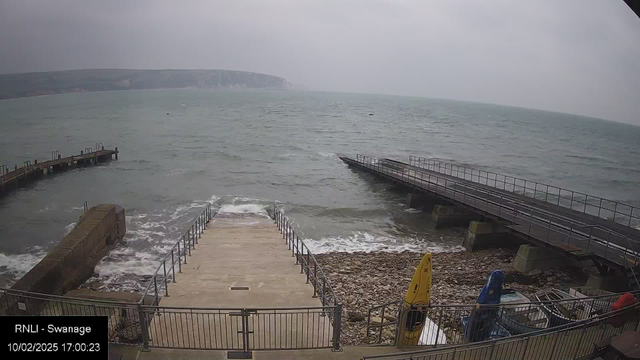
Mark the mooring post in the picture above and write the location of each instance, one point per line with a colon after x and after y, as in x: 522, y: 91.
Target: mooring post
x: 116, y: 153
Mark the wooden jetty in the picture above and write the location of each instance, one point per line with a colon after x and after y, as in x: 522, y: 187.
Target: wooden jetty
x: 29, y: 172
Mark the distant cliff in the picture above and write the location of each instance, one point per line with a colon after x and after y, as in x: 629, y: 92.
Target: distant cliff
x: 60, y: 82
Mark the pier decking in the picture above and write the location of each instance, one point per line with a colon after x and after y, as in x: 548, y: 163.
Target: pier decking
x: 579, y: 228
x: 20, y: 176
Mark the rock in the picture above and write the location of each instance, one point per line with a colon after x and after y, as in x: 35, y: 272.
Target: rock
x: 534, y: 272
x: 390, y: 318
x: 376, y: 320
x: 551, y: 279
x: 355, y: 317
x: 388, y: 333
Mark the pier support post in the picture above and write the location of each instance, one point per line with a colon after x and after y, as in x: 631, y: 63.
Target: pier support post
x: 531, y: 257
x: 416, y: 200
x: 609, y: 282
x: 484, y: 235
x: 452, y: 216
x: 116, y: 153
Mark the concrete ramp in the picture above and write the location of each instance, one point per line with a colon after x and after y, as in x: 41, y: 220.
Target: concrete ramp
x: 248, y: 289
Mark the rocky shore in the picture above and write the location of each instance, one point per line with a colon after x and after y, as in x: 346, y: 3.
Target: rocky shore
x: 363, y: 280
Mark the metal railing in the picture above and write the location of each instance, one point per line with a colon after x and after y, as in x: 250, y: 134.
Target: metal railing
x: 147, y: 324
x: 460, y: 323
x: 241, y: 329
x: 322, y: 287
x: 615, y: 211
x: 525, y: 220
x: 166, y: 273
x: 124, y: 319
x: 569, y: 341
x: 236, y: 329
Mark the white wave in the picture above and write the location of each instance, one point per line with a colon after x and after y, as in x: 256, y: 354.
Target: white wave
x: 326, y: 154
x: 365, y: 242
x: 243, y: 209
x: 48, y: 208
x: 19, y: 264
x: 412, y: 210
x: 138, y: 263
x: 75, y: 208
x: 68, y: 228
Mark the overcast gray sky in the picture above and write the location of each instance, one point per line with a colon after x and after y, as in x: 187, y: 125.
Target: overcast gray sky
x: 576, y: 56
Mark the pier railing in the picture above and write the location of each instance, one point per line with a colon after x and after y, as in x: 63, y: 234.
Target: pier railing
x: 309, y: 266
x: 177, y: 255
x: 459, y: 323
x: 567, y: 342
x: 525, y: 220
x: 611, y: 210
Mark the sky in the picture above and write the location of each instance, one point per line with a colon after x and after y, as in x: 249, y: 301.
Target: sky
x: 574, y: 56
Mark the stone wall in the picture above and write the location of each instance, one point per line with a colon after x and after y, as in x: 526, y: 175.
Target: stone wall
x: 71, y: 262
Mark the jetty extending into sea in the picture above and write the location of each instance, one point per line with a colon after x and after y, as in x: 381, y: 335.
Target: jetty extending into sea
x: 29, y: 172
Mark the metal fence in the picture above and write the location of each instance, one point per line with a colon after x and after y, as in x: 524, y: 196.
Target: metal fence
x: 147, y: 324
x: 241, y: 329
x: 309, y: 266
x: 166, y: 271
x: 525, y: 220
x: 569, y: 341
x: 235, y: 329
x: 457, y: 324
x: 124, y: 319
x: 615, y: 211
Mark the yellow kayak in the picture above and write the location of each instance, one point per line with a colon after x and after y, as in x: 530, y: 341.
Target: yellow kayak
x: 418, y: 294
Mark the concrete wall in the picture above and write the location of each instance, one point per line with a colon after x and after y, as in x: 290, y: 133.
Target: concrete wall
x: 531, y: 257
x: 71, y: 262
x: 452, y: 216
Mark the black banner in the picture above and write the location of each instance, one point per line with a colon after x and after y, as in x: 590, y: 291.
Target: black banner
x: 43, y: 337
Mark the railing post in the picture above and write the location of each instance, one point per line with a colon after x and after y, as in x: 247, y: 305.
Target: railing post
x: 144, y: 327
x: 155, y: 286
x: 297, y: 249
x: 166, y: 286
x: 315, y: 279
x: 308, y: 266
x: 302, y: 260
x: 179, y: 259
x: 190, y: 232
x: 337, y: 327
x: 184, y: 246
x: 173, y: 265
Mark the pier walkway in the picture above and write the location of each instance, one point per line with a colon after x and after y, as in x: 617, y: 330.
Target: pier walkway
x: 582, y: 225
x: 19, y: 176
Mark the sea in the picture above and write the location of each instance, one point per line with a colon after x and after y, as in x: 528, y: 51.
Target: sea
x: 245, y: 150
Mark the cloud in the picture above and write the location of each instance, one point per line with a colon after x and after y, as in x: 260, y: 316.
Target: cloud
x: 573, y: 56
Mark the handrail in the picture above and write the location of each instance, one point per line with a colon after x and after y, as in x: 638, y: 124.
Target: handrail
x: 449, y: 311
x: 297, y: 247
x: 491, y: 177
x: 189, y: 240
x: 578, y: 325
x: 515, y: 216
x: 327, y: 295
